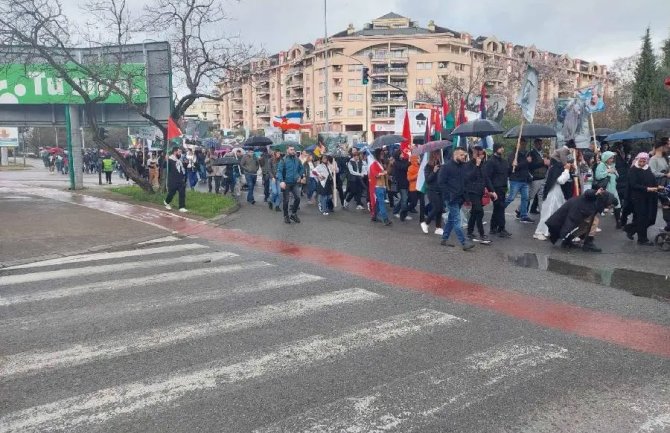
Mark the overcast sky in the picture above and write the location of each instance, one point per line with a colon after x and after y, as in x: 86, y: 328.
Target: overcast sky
x: 599, y: 30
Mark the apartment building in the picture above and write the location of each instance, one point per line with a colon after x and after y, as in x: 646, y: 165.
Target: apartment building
x: 206, y: 110
x: 404, y: 60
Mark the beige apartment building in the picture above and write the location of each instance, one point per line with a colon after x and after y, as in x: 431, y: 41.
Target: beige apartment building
x: 403, y: 58
x: 206, y: 110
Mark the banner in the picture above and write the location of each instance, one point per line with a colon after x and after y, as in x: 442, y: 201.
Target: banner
x: 572, y: 122
x: 417, y: 120
x: 9, y: 137
x: 41, y: 84
x: 592, y: 96
x: 529, y: 91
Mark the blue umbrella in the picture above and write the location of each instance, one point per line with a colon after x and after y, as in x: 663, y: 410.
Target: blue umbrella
x: 311, y: 148
x: 629, y: 135
x: 360, y: 145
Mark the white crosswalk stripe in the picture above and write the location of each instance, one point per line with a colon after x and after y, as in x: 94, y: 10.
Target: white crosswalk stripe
x: 160, y: 240
x: 135, y: 342
x: 76, y: 316
x: 92, y: 257
x: 413, y: 402
x: 96, y: 407
x: 128, y: 283
x: 103, y: 269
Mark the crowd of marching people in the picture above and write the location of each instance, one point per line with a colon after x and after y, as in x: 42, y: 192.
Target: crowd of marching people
x: 566, y: 194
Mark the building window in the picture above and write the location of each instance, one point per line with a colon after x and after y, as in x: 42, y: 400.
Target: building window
x: 321, y: 99
x: 423, y: 66
x: 359, y: 113
x: 424, y: 81
x: 355, y: 83
x: 459, y: 66
x: 321, y: 85
x: 351, y: 112
x: 355, y: 97
x: 320, y: 72
x: 320, y: 114
x: 455, y: 50
x: 355, y: 68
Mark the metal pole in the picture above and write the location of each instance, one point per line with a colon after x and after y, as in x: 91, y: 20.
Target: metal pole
x: 367, y: 109
x: 325, y: 43
x: 68, y: 135
x: 23, y: 134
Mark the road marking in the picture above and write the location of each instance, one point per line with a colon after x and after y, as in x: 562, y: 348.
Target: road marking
x: 127, y: 283
x: 100, y: 406
x: 160, y: 240
x: 142, y: 341
x: 77, y: 316
x: 109, y: 256
x: 103, y: 269
x: 412, y: 403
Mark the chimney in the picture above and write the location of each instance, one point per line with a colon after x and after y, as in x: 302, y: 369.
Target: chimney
x: 350, y: 29
x: 431, y: 26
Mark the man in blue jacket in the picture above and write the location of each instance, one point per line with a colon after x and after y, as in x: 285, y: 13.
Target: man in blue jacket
x: 291, y: 177
x: 451, y: 179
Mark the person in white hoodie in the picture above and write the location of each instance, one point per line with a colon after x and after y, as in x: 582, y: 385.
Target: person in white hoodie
x: 557, y: 189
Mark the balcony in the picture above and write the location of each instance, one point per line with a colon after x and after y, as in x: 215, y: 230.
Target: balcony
x: 238, y: 107
x: 237, y: 96
x: 295, y: 83
x: 397, y: 71
x: 380, y: 115
x: 295, y: 71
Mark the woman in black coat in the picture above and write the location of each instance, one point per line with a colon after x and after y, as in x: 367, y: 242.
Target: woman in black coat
x: 643, y: 195
x: 434, y: 194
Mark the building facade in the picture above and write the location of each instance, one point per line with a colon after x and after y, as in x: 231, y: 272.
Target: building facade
x: 404, y: 60
x: 206, y: 110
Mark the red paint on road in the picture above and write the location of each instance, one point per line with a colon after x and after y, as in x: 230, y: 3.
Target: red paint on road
x: 629, y: 333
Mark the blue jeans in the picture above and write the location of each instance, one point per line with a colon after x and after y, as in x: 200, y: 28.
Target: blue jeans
x: 401, y: 206
x: 311, y: 187
x: 323, y: 200
x: 516, y: 187
x: 380, y: 207
x: 275, y: 193
x: 251, y: 184
x: 453, y: 221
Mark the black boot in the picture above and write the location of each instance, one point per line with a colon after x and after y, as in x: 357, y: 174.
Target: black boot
x: 567, y: 242
x: 590, y: 246
x: 617, y: 216
x: 666, y: 218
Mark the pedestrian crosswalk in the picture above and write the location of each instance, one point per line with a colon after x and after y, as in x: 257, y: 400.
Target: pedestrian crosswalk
x: 189, y: 300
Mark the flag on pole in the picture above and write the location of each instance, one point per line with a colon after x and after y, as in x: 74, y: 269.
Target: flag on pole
x: 592, y: 96
x: 436, y: 119
x: 291, y: 120
x: 405, y: 146
x: 421, y: 178
x: 460, y: 118
x: 173, y: 130
x: 487, y: 142
x: 527, y: 99
x: 445, y: 105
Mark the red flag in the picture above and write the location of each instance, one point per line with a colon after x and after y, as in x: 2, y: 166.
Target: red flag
x: 173, y: 130
x: 445, y: 105
x: 405, y: 146
x: 436, y: 119
x: 428, y: 134
x: 462, y: 118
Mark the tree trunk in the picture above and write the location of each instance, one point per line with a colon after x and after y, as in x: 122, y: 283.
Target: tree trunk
x: 131, y: 172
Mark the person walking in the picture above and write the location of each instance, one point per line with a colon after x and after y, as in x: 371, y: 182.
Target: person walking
x: 108, y: 168
x: 325, y: 184
x: 176, y: 180
x: 658, y: 164
x: 557, y: 189
x: 643, y: 189
x: 606, y: 177
x: 379, y: 176
x: 356, y: 169
x: 275, y: 190
x: 152, y: 166
x: 191, y: 169
x: 249, y: 166
x: 497, y: 170
x: 291, y: 177
x: 431, y: 171
x: 519, y: 176
x: 400, y: 167
x: 477, y: 185
x: 451, y: 179
x: 412, y: 177
x: 538, y: 168
x: 264, y: 163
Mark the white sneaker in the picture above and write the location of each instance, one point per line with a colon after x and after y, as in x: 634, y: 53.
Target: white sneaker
x: 359, y: 207
x: 539, y: 237
x: 183, y: 210
x: 439, y: 232
x: 167, y: 206
x: 397, y: 215
x: 408, y: 218
x: 598, y: 229
x: 325, y: 214
x: 386, y: 200
x: 424, y: 227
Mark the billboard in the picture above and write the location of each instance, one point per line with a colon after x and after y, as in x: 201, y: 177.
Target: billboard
x: 9, y: 137
x: 417, y: 120
x: 572, y: 122
x: 40, y: 84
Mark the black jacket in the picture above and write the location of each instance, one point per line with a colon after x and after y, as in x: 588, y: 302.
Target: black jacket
x: 451, y: 179
x: 175, y: 178
x: 497, y: 170
x: 537, y: 168
x: 575, y: 211
x: 476, y: 179
x: 400, y: 167
x: 521, y: 173
x: 431, y: 178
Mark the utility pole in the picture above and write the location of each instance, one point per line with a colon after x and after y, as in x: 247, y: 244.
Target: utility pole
x: 325, y: 59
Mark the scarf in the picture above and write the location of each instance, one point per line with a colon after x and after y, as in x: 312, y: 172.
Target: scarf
x: 641, y: 155
x: 178, y: 164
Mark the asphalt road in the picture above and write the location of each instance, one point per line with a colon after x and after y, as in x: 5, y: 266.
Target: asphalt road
x: 198, y: 334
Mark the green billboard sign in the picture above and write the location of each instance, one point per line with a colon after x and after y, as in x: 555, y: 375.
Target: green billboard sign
x: 40, y: 84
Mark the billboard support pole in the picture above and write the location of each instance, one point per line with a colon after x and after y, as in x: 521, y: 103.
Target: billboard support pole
x: 73, y: 131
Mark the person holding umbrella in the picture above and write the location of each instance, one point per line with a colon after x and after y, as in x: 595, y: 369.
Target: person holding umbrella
x: 291, y: 177
x: 176, y: 180
x: 477, y: 184
x: 519, y: 177
x: 250, y: 165
x: 497, y: 170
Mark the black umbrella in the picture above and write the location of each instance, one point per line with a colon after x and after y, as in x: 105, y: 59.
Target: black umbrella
x: 653, y: 126
x: 226, y: 160
x: 387, y: 140
x: 256, y: 141
x: 532, y: 130
x: 604, y: 132
x: 431, y: 146
x: 478, y: 128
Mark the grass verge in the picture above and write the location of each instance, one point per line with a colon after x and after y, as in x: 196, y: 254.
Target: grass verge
x: 198, y: 203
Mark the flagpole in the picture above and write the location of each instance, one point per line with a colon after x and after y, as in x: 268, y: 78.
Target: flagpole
x: 593, y: 129
x: 518, y: 145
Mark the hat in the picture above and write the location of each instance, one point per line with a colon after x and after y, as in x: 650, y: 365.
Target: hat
x: 660, y: 143
x: 497, y: 146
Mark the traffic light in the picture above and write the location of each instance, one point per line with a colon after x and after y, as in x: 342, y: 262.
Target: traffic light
x: 366, y: 76
x: 103, y: 134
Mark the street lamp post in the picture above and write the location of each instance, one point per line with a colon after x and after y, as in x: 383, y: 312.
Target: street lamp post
x: 367, y: 97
